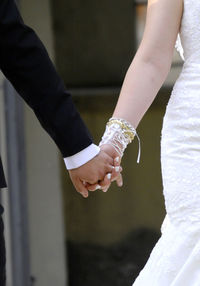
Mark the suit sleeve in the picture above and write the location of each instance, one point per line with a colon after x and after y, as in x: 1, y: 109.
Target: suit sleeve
x: 25, y: 62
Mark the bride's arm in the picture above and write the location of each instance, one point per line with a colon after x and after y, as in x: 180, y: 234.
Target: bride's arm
x: 146, y: 73
x: 152, y: 61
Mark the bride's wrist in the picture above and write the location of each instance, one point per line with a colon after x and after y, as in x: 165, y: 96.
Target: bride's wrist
x: 119, y: 133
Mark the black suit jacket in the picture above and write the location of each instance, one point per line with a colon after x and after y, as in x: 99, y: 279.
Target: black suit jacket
x: 25, y: 62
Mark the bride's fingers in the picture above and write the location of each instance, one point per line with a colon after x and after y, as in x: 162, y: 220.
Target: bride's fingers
x: 117, y: 161
x: 119, y: 180
x: 110, y: 177
x: 117, y: 168
x: 105, y: 183
x: 115, y: 173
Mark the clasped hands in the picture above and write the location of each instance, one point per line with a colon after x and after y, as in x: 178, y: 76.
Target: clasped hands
x: 98, y: 173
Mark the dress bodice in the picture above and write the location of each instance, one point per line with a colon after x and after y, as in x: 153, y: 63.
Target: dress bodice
x: 190, y: 31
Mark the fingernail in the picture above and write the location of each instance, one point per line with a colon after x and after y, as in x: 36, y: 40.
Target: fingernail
x: 105, y: 190
x: 117, y: 159
x: 85, y: 195
x: 109, y: 176
x: 97, y: 187
x: 117, y: 169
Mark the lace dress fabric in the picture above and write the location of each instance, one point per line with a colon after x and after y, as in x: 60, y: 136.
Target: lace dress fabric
x: 175, y: 259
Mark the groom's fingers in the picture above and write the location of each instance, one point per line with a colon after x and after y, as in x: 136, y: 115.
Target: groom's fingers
x: 104, y: 175
x: 117, y: 161
x: 93, y: 187
x: 102, y: 185
x: 80, y: 187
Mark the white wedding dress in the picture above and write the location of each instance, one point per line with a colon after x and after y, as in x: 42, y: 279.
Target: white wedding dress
x: 175, y: 259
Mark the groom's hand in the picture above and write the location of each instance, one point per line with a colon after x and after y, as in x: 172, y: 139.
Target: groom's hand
x: 93, y: 171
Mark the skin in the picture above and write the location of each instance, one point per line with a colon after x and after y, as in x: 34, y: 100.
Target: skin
x: 94, y: 173
x: 116, y: 171
x: 152, y: 61
x: 145, y: 76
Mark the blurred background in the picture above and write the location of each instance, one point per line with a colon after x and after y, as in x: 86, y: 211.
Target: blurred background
x: 53, y: 235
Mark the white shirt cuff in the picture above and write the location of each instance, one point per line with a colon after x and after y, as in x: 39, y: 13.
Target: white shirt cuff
x: 81, y: 157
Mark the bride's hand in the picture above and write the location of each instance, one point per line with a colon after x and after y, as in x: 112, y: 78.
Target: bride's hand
x: 110, y: 177
x: 116, y: 174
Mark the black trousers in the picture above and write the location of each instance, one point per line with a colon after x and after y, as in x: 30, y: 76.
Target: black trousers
x: 2, y: 251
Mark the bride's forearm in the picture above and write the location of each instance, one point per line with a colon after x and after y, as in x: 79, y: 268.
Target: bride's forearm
x: 141, y: 85
x: 146, y: 74
x: 143, y: 80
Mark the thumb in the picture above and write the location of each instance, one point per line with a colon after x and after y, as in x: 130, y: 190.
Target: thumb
x: 81, y: 188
